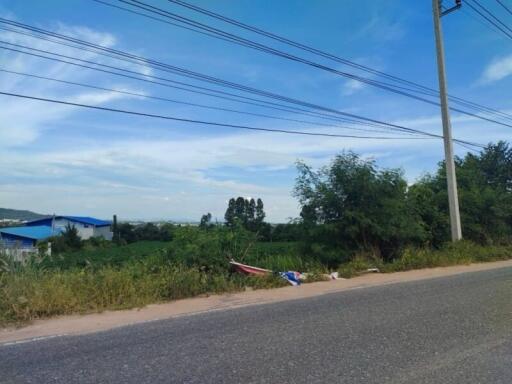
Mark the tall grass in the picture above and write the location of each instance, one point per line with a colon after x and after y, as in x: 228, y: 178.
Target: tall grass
x: 127, y: 279
x: 34, y: 293
x: 463, y: 252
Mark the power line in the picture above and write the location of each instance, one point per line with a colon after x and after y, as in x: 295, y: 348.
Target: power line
x: 202, y: 122
x: 217, y: 81
x: 401, y: 128
x: 141, y: 95
x: 146, y: 62
x: 504, y: 6
x: 145, y: 78
x: 306, y: 48
x: 504, y: 31
x: 202, y: 77
x: 251, y: 44
x: 482, y: 22
x: 486, y: 10
x: 390, y: 125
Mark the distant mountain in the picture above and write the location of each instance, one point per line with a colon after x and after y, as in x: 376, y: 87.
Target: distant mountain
x: 19, y: 214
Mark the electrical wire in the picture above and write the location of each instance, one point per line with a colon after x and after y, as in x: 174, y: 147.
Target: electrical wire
x: 504, y: 6
x: 390, y: 125
x: 202, y: 122
x: 248, y: 43
x: 323, y: 53
x: 209, y: 107
x: 486, y: 10
x: 202, y: 77
x: 505, y: 32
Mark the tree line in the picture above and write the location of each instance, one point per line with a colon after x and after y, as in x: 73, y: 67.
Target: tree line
x: 353, y: 206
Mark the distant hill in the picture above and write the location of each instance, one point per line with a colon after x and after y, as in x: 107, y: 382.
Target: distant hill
x: 19, y: 214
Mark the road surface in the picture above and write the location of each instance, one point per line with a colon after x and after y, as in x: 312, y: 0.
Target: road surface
x: 454, y: 329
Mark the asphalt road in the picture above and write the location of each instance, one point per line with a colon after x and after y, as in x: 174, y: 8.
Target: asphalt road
x: 447, y: 330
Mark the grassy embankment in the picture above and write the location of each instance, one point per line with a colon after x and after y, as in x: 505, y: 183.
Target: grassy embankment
x: 150, y: 272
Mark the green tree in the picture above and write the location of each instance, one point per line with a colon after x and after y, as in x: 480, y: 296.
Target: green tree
x: 240, y: 210
x: 260, y: 213
x: 229, y: 216
x: 246, y: 212
x: 206, y: 221
x: 352, y: 206
x: 71, y: 238
x: 485, y: 197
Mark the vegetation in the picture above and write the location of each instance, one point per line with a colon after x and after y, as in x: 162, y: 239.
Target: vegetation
x: 246, y: 212
x: 127, y: 233
x: 352, y: 207
x: 354, y: 216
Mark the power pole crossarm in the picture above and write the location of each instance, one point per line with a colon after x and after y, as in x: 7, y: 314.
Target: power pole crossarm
x: 453, y: 198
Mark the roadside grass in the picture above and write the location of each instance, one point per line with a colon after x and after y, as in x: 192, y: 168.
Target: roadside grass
x: 40, y: 290
x: 463, y: 252
x: 34, y: 293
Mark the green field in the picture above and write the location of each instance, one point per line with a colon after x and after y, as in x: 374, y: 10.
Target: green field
x: 111, y: 255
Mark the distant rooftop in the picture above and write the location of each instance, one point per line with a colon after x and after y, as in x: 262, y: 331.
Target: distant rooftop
x: 37, y: 232
x: 79, y: 219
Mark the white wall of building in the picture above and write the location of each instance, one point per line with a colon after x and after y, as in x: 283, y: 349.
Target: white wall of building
x: 85, y: 231
x: 104, y: 232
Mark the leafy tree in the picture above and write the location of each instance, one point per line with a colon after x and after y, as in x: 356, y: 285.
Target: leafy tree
x: 485, y: 197
x: 149, y: 231
x: 241, y: 210
x: 206, y: 221
x: 352, y: 206
x: 126, y: 232
x: 247, y: 212
x: 260, y: 213
x: 250, y: 214
x: 229, y: 216
x: 71, y: 237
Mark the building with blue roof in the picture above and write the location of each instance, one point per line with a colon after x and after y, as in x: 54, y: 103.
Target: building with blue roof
x: 20, y: 242
x: 86, y: 226
x: 26, y: 237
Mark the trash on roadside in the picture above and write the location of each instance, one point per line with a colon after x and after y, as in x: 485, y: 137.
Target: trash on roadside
x: 293, y: 277
x: 249, y: 270
x: 369, y: 270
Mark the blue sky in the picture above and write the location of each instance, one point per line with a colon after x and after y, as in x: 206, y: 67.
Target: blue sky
x: 84, y: 162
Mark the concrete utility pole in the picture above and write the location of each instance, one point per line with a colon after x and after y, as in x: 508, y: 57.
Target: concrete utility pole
x: 453, y: 199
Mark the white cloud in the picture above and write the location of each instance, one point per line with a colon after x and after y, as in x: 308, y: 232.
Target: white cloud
x: 352, y: 86
x: 497, y: 70
x: 23, y: 121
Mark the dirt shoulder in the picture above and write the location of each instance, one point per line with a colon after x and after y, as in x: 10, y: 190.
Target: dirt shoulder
x: 81, y: 324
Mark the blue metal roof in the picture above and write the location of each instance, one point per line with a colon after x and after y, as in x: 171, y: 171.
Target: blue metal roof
x: 39, y: 232
x: 78, y: 219
x: 87, y: 220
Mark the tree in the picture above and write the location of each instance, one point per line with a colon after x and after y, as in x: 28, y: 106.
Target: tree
x: 206, y: 221
x: 352, y: 206
x: 240, y: 210
x: 485, y: 196
x: 248, y: 213
x: 260, y: 213
x: 126, y: 232
x: 229, y: 216
x: 71, y: 238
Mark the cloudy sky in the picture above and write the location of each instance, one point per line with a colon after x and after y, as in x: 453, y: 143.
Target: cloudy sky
x: 69, y: 160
